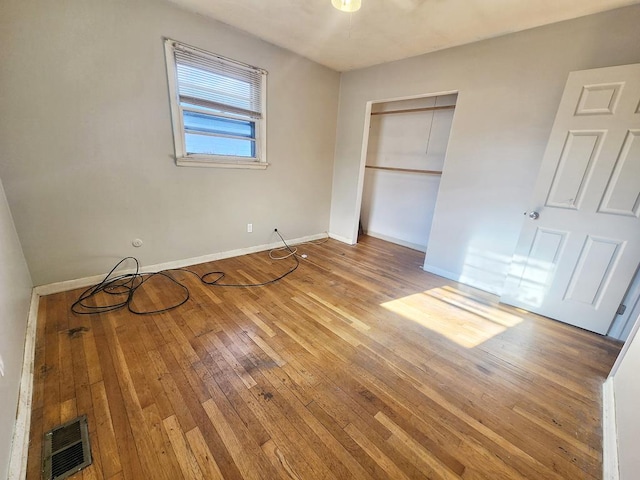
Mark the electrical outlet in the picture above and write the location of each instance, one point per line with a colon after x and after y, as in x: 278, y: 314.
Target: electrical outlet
x: 249, y: 227
x: 136, y: 242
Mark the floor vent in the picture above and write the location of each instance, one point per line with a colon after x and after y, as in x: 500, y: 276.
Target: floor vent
x: 66, y: 449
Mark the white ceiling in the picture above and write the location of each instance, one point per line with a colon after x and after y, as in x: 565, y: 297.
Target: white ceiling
x: 386, y: 30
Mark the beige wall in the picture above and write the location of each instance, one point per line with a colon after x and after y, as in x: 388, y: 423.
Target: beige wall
x: 15, y: 292
x: 509, y: 90
x: 87, y: 142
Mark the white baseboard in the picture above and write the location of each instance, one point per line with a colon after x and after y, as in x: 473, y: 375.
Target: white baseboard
x: 342, y: 239
x: 610, y: 469
x: 397, y: 241
x: 58, y: 287
x: 456, y: 277
x: 442, y: 273
x: 20, y: 442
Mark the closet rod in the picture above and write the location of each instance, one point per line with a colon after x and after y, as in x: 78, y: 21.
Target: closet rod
x: 410, y: 170
x: 423, y: 109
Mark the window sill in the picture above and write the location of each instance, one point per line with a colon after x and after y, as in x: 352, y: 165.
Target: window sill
x: 229, y: 163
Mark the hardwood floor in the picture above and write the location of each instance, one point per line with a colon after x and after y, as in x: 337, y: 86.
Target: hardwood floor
x: 359, y: 365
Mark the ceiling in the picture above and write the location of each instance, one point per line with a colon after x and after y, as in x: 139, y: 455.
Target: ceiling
x: 387, y: 30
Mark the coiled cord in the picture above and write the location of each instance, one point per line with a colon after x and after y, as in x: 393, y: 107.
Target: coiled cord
x: 128, y: 284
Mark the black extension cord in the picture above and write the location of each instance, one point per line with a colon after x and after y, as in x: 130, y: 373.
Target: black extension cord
x: 127, y: 284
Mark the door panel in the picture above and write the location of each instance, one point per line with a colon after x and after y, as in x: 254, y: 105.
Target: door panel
x: 537, y: 270
x: 595, y: 265
x: 575, y: 260
x: 599, y: 99
x: 621, y: 197
x: 579, y: 154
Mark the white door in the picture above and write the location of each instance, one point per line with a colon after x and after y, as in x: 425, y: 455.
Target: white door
x: 575, y: 261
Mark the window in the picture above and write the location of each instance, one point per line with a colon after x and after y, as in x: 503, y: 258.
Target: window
x: 217, y: 109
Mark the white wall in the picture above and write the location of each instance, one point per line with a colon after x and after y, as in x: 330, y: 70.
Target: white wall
x: 626, y: 387
x: 398, y: 206
x: 509, y: 90
x: 87, y: 142
x: 15, y: 294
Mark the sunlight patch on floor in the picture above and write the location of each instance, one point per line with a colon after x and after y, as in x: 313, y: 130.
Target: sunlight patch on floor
x: 458, y: 316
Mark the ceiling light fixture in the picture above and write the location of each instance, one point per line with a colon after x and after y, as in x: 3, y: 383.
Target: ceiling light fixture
x: 347, y: 5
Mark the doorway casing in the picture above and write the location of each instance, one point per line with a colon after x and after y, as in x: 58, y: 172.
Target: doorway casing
x: 365, y: 144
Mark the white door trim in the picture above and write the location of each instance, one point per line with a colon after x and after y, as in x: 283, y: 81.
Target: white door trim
x: 20, y: 442
x: 610, y: 469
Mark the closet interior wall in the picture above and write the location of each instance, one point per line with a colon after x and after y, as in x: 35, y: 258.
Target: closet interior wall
x: 405, y: 157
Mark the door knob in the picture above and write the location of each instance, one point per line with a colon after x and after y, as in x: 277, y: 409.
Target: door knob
x: 532, y: 215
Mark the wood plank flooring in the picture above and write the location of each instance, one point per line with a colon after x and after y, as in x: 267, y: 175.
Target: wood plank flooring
x: 359, y: 365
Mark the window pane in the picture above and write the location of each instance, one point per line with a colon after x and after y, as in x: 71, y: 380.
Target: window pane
x: 217, y: 106
x: 208, y: 145
x: 201, y: 122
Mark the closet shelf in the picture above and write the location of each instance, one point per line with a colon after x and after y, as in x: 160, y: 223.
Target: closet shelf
x: 423, y: 109
x: 409, y: 170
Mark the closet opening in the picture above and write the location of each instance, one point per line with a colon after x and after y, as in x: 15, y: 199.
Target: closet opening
x: 405, y: 157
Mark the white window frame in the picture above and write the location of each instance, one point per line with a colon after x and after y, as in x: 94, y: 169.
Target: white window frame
x: 259, y: 161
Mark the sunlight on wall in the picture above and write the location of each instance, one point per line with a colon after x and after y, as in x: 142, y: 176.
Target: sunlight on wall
x: 523, y: 279
x: 484, y: 269
x: 462, y: 318
x: 529, y: 280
